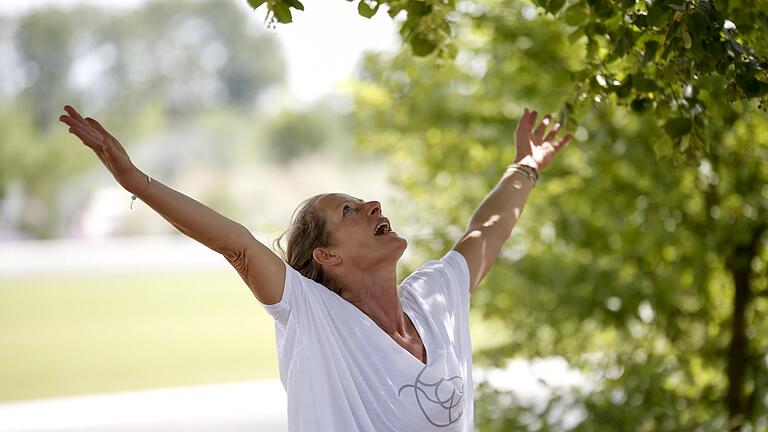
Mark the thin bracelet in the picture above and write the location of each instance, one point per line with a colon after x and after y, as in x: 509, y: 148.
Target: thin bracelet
x: 530, y: 172
x: 513, y: 170
x: 133, y: 198
x: 533, y: 172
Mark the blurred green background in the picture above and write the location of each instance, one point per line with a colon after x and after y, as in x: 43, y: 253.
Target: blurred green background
x: 73, y: 335
x: 639, y: 261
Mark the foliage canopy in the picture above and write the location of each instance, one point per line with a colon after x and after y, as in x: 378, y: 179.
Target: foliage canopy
x: 677, y: 58
x: 643, y: 259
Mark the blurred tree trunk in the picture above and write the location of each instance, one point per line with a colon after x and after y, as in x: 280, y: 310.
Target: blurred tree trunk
x: 738, y: 264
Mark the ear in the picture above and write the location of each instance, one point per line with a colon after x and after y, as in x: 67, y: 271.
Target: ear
x: 324, y: 257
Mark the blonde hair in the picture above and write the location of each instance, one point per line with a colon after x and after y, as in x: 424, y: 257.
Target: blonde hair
x: 305, y: 233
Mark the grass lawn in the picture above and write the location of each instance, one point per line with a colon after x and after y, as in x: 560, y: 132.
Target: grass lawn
x: 91, y: 334
x: 74, y: 335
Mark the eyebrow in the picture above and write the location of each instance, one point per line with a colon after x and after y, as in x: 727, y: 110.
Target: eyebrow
x: 347, y: 200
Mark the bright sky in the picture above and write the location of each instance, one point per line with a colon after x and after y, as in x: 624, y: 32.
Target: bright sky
x: 322, y: 45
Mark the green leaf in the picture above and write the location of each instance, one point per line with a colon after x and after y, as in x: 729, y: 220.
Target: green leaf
x: 418, y: 8
x: 656, y: 14
x: 575, y: 14
x: 678, y: 5
x: 601, y: 8
x: 565, y: 115
x: 393, y: 9
x: 640, y: 104
x: 366, y: 10
x: 553, y: 6
x: 626, y: 4
x: 624, y: 41
x: 662, y: 147
x: 677, y: 127
x: 640, y: 21
x: 751, y: 86
x: 255, y: 3
x: 624, y: 89
x: 645, y: 84
x: 698, y: 22
x: 422, y: 46
x: 651, y: 48
x: 407, y: 28
x: 296, y: 4
x: 283, y: 13
x: 576, y: 34
x: 595, y: 28
x: 686, y: 39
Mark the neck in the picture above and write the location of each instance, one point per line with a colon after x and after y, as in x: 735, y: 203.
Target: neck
x: 375, y: 293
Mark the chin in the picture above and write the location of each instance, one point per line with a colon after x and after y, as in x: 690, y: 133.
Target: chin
x: 404, y: 246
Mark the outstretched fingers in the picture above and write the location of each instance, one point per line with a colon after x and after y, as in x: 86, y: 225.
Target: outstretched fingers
x: 73, y: 113
x: 531, y: 120
x: 552, y: 133
x: 525, y: 124
x: 86, y: 130
x: 83, y: 129
x: 538, y: 134
x: 563, y: 141
x: 87, y: 137
x: 96, y: 125
x: 108, y: 138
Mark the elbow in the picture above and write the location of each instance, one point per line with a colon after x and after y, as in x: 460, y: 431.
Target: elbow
x: 234, y: 243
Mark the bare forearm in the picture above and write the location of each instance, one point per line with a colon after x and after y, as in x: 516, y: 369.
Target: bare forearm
x: 495, y: 217
x: 492, y: 224
x: 503, y: 206
x: 189, y: 216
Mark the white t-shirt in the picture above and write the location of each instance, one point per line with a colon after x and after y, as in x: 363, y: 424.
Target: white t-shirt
x: 343, y: 373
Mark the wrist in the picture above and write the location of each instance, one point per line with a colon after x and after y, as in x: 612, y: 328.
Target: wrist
x: 529, y: 161
x: 527, y: 170
x: 135, y: 181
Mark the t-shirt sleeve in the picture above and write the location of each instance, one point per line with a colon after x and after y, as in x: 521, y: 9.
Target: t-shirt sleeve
x: 293, y: 295
x: 444, y: 282
x: 456, y: 270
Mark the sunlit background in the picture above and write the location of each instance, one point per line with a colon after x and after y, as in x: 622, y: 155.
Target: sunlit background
x: 611, y: 307
x: 109, y: 318
x: 97, y: 298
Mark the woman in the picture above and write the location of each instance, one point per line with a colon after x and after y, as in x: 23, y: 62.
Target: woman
x: 357, y: 350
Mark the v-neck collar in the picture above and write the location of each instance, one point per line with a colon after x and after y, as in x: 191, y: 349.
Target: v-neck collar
x: 396, y: 346
x: 420, y: 330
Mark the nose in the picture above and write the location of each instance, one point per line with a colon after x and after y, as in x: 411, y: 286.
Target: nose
x: 375, y: 207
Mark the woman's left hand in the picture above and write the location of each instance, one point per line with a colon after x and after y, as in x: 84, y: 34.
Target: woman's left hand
x: 533, y: 147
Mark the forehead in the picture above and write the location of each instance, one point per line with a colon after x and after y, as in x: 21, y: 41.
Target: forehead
x: 333, y: 200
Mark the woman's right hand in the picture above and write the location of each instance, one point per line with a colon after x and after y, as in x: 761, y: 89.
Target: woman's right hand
x: 107, y: 148
x: 260, y: 268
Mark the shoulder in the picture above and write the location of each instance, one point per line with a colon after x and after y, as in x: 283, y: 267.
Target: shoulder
x: 448, y: 265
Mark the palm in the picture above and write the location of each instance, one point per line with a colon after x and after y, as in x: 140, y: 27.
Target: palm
x: 533, y: 145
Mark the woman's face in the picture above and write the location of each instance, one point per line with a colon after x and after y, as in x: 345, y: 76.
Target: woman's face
x: 351, y: 224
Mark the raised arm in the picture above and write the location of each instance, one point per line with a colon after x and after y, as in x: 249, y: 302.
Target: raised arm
x: 260, y: 268
x: 492, y: 222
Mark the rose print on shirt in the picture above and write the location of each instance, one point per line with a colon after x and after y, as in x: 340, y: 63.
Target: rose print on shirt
x: 440, y: 393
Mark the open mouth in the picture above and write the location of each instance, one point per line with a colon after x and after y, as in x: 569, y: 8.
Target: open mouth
x: 382, y: 228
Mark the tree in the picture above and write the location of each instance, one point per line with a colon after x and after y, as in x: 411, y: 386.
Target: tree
x: 657, y: 217
x: 648, y: 261
x: 165, y: 61
x: 667, y: 56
